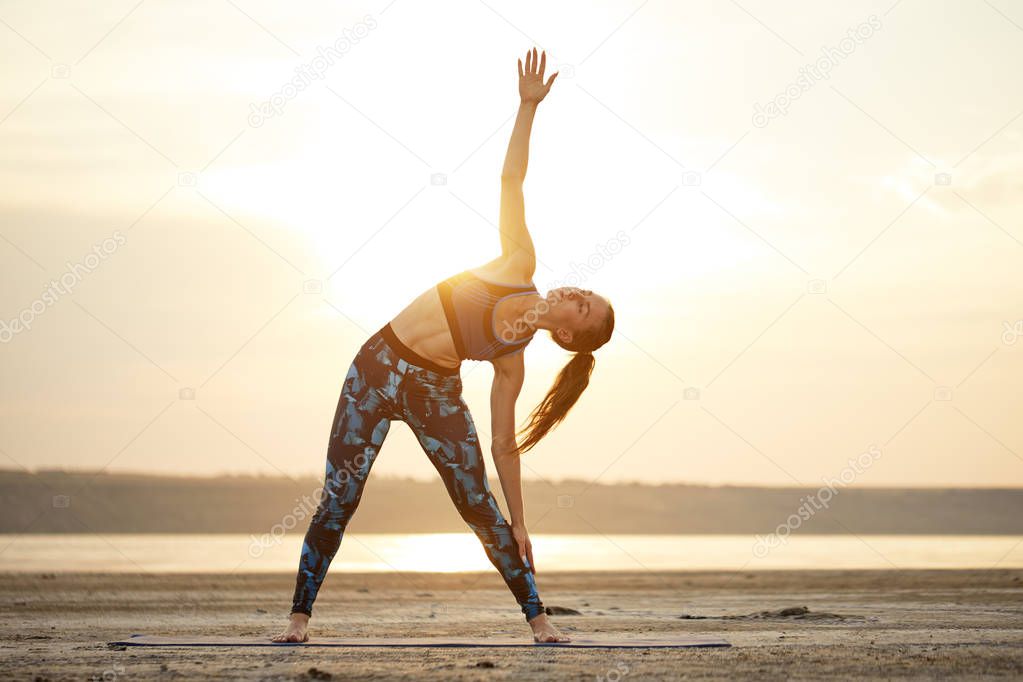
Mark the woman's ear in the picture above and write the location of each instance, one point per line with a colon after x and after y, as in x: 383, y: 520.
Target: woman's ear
x: 564, y: 335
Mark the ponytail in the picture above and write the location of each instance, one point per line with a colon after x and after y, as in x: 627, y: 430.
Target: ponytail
x: 570, y: 384
x: 572, y: 380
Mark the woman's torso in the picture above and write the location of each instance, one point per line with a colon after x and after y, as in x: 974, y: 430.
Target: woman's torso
x: 423, y: 326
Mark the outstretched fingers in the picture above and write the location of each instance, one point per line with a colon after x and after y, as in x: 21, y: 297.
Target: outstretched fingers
x: 532, y: 71
x: 533, y: 62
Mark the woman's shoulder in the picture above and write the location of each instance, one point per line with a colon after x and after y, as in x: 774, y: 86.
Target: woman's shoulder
x: 508, y: 271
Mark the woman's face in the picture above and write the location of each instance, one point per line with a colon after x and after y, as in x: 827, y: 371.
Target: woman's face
x: 577, y: 310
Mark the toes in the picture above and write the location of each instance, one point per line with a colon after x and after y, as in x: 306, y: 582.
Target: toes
x: 548, y: 637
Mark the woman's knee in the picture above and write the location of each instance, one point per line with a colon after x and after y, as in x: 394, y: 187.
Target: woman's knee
x: 339, y: 499
x: 330, y: 514
x: 481, y: 512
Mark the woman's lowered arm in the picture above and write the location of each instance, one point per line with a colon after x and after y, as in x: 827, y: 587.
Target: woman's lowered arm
x: 509, y: 373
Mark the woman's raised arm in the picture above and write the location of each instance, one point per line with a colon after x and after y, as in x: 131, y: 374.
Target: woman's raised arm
x: 515, y: 239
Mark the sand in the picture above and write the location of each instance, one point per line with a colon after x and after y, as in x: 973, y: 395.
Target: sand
x: 783, y: 625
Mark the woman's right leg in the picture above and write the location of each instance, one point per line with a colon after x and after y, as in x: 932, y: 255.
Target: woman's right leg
x: 434, y: 410
x: 361, y: 421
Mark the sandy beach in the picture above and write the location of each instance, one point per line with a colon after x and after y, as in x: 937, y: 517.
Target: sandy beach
x: 782, y: 625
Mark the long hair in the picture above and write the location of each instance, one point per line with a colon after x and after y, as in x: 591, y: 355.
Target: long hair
x: 570, y: 383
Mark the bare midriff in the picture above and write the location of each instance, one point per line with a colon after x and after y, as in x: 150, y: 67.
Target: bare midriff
x: 423, y: 327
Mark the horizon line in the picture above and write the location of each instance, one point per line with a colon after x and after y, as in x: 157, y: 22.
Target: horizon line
x: 525, y: 479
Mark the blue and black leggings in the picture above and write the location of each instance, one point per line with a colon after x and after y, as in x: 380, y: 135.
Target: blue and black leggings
x: 388, y: 381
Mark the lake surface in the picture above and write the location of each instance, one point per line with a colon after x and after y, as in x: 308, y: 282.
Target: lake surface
x: 449, y: 552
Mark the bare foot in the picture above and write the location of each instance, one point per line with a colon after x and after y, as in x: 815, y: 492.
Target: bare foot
x: 544, y: 631
x: 296, y: 630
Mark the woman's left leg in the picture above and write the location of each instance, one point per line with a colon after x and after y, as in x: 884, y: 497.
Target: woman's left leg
x: 433, y: 408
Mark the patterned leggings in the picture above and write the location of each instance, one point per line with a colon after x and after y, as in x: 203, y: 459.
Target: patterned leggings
x: 382, y: 385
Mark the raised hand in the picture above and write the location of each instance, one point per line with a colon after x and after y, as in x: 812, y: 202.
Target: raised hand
x: 531, y: 86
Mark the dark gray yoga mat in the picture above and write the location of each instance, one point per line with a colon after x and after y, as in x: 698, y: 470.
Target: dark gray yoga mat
x: 665, y: 641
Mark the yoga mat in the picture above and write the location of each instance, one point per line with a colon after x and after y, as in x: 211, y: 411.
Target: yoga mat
x: 664, y: 641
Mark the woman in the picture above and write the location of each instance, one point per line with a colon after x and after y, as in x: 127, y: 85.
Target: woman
x: 409, y: 370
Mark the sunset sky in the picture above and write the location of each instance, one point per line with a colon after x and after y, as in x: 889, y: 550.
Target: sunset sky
x: 844, y: 275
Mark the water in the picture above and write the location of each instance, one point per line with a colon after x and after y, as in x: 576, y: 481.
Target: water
x: 450, y: 552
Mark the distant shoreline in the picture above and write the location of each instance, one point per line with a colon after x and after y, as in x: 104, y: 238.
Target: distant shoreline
x: 58, y: 502
x: 317, y: 478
